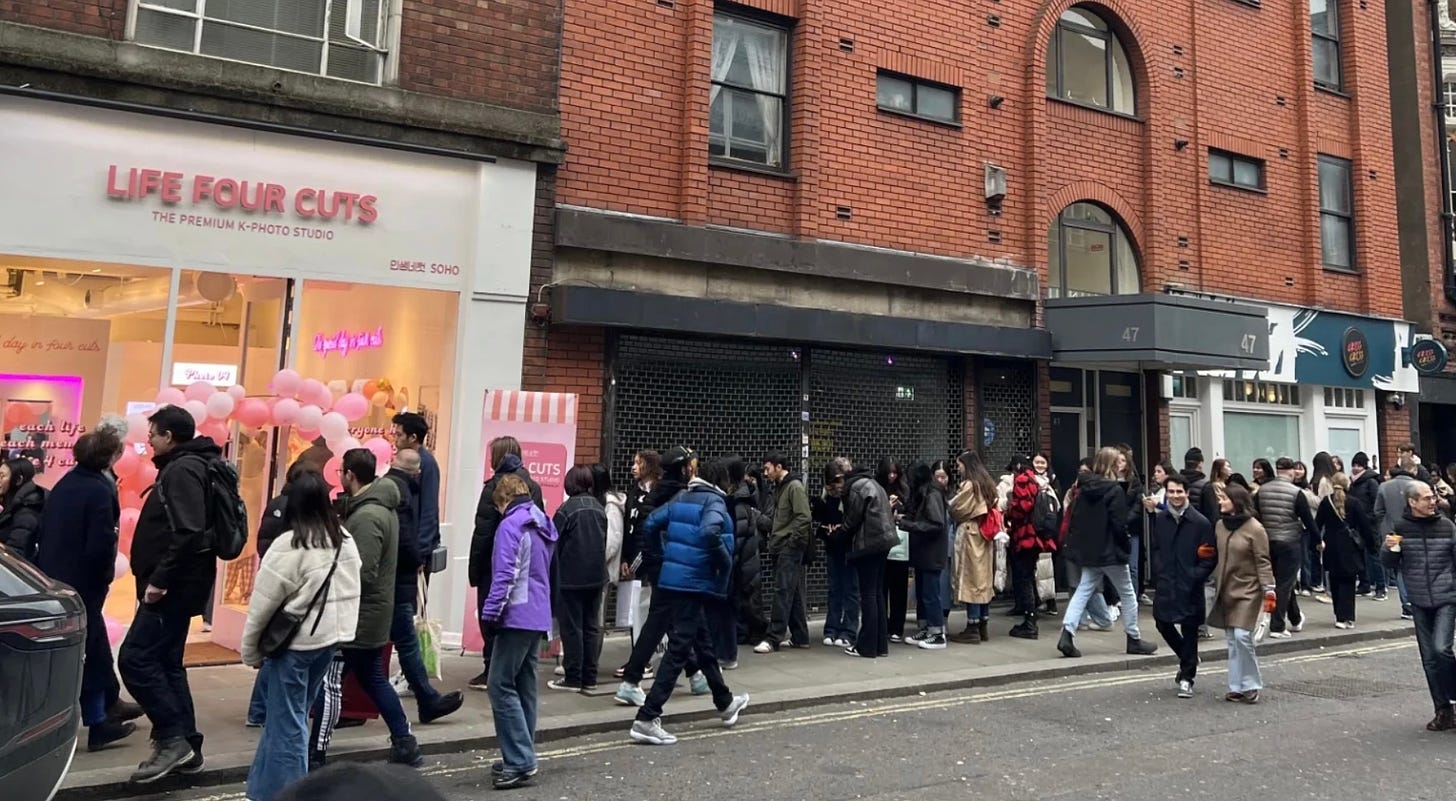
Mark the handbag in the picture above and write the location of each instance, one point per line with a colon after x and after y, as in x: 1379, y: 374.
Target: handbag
x: 283, y: 627
x: 428, y: 633
x: 901, y: 551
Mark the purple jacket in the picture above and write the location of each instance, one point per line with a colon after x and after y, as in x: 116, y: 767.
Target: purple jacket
x: 520, y: 583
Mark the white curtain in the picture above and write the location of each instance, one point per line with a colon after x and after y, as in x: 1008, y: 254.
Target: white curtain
x: 766, y: 68
x: 725, y: 46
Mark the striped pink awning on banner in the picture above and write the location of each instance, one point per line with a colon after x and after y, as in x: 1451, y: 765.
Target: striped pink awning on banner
x: 520, y: 406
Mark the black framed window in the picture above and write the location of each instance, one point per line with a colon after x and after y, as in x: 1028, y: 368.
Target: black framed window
x: 1087, y: 64
x: 1090, y: 253
x: 1448, y: 96
x: 749, y: 100
x: 1231, y: 169
x: 1324, y: 24
x: 1337, y: 213
x: 903, y: 94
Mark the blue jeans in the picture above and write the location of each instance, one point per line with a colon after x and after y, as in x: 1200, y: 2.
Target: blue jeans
x: 842, y: 621
x: 514, y: 653
x: 292, y: 682
x: 1091, y: 584
x: 367, y: 666
x: 1375, y: 572
x: 258, y: 703
x: 1434, y: 628
x: 927, y: 595
x: 1400, y: 587
x: 1097, y: 610
x: 1243, y: 667
x: 975, y: 613
x: 407, y: 647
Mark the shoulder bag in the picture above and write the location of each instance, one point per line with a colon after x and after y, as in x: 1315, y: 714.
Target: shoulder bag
x: 284, y: 626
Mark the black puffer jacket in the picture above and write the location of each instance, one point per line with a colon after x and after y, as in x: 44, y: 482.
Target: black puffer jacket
x: 407, y: 567
x: 579, y: 561
x: 488, y: 518
x: 170, y: 550
x: 747, y: 559
x: 1427, y: 559
x: 927, y: 526
x: 20, y: 522
x: 274, y: 522
x: 1097, y: 534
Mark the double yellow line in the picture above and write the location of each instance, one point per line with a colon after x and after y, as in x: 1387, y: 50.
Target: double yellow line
x: 903, y: 707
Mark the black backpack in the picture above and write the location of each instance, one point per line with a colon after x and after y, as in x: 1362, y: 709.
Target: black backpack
x: 1046, y: 515
x: 227, y: 515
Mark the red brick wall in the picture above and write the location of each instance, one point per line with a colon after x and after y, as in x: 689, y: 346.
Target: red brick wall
x: 634, y: 104
x: 573, y: 360
x: 106, y: 18
x: 1393, y: 426
x: 494, y: 52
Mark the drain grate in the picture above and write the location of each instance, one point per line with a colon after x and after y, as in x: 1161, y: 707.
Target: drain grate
x: 1342, y: 688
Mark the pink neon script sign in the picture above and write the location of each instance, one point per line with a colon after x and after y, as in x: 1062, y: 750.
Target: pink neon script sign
x: 344, y: 342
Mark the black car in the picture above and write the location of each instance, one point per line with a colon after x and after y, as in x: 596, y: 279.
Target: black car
x: 42, y: 645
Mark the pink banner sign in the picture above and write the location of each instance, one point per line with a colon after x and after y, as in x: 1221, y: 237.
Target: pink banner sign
x: 545, y: 425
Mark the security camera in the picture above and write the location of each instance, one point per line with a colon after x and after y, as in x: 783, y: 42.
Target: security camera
x: 1397, y: 400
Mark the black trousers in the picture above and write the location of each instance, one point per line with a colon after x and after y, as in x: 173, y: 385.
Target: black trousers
x: 485, y: 632
x: 1288, y: 559
x: 1342, y: 593
x: 895, y: 586
x: 1023, y: 580
x: 581, y: 637
x: 654, y: 628
x: 874, y: 632
x: 1182, y: 639
x: 100, y: 689
x: 687, y: 638
x: 151, y: 665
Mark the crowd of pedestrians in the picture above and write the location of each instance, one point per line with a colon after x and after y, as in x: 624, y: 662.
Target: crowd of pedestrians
x: 341, y: 580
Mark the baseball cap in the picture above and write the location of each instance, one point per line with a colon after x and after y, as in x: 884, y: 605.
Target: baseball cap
x: 677, y: 456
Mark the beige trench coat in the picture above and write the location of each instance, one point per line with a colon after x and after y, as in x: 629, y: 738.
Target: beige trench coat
x: 1243, y: 571
x: 975, y: 558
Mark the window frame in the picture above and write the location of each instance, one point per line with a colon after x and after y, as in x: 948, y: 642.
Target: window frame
x: 1235, y: 158
x: 1111, y: 39
x: 786, y: 28
x: 1332, y: 13
x: 916, y: 84
x: 1112, y: 229
x: 1448, y: 94
x: 1349, y: 217
x: 386, y: 48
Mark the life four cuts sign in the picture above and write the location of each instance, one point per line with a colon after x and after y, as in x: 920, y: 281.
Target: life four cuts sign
x: 545, y: 425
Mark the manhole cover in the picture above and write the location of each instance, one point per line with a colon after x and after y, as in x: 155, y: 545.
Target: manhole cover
x: 1341, y: 688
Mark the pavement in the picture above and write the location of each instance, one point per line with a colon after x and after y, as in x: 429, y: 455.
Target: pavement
x: 779, y: 683
x: 1332, y: 723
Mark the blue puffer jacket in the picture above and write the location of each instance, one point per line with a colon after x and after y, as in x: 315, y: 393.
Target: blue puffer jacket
x: 697, y: 541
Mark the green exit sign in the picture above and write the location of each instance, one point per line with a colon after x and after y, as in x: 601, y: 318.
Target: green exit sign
x: 905, y: 393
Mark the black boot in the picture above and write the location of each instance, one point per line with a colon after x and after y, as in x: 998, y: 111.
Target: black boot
x: 985, y: 629
x: 1136, y: 647
x: 122, y: 711
x: 405, y: 751
x: 442, y: 706
x: 167, y: 756
x: 1026, y: 630
x: 107, y: 732
x: 1068, y: 646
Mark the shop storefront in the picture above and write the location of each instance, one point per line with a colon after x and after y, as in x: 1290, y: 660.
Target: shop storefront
x: 147, y: 258
x: 1327, y: 375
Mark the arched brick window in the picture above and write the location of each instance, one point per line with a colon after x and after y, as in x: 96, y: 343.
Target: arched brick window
x: 1087, y: 64
x: 1090, y: 253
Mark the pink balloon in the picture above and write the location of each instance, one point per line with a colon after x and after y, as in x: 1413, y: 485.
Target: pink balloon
x: 220, y: 405
x: 216, y: 430
x: 334, y: 426
x: 122, y: 565
x: 285, y: 412
x: 237, y: 391
x: 383, y: 452
x: 311, y: 390
x: 310, y: 418
x: 197, y: 409
x: 352, y: 406
x: 331, y: 471
x: 145, y: 475
x: 127, y: 528
x: 115, y: 631
x: 131, y: 499
x: 286, y: 383
x: 253, y: 412
x: 345, y: 445
x: 171, y: 396
x: 127, y: 465
x: 200, y: 391
x: 306, y: 435
x: 137, y: 428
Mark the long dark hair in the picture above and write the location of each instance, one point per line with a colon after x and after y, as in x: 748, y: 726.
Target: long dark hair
x: 315, y: 524
x: 1241, y: 499
x: 1324, y: 470
x: 895, y: 486
x: 973, y: 469
x: 1265, y: 469
x: 22, y: 472
x: 1301, y: 481
x: 601, y: 482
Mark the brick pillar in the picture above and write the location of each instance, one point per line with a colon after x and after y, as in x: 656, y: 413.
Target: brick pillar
x: 1393, y: 426
x: 575, y: 361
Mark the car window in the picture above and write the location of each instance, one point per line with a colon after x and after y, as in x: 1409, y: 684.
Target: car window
x: 16, y: 579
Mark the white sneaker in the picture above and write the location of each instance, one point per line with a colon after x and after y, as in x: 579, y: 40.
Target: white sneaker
x: 829, y: 641
x: 729, y: 716
x: 1340, y: 624
x: 1090, y: 626
x: 560, y: 670
x: 1115, y: 612
x: 1185, y: 689
x: 843, y: 643
x: 764, y: 647
x: 1280, y: 635
x: 400, y: 685
x: 651, y: 732
x: 698, y: 684
x: 1297, y: 627
x: 630, y: 695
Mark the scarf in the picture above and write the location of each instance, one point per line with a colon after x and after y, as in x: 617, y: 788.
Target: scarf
x: 1234, y: 522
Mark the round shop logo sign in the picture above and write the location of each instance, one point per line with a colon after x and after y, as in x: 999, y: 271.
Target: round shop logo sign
x: 1355, y: 353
